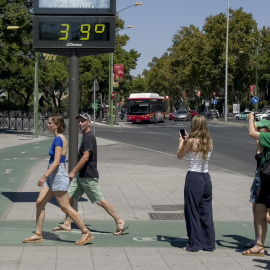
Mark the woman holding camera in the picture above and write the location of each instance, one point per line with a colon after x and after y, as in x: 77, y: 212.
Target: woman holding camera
x: 198, y: 146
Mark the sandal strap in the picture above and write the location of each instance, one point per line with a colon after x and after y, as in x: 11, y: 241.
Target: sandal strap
x: 259, y: 245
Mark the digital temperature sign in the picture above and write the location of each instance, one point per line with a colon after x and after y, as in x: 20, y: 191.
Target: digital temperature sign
x: 59, y: 34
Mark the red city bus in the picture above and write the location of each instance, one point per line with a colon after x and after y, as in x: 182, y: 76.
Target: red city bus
x: 146, y: 107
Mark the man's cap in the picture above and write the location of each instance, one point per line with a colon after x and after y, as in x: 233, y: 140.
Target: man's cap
x: 263, y: 123
x: 84, y: 116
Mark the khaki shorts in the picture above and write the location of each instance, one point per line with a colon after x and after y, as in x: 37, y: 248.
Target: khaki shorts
x: 89, y: 186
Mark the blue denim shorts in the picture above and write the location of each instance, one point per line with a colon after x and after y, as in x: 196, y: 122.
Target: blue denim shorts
x: 58, y: 180
x: 254, y: 188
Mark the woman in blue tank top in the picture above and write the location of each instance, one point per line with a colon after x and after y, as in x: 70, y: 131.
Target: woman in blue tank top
x: 55, y: 182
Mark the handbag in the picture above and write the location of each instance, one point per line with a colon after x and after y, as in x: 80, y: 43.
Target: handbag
x: 265, y: 167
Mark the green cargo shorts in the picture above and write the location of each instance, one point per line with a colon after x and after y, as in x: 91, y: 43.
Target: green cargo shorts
x: 89, y: 186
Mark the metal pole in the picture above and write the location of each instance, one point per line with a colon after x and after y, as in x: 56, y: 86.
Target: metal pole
x: 256, y: 82
x: 94, y: 89
x: 36, y: 97
x: 73, y: 111
x: 110, y: 95
x: 226, y: 68
x: 111, y: 82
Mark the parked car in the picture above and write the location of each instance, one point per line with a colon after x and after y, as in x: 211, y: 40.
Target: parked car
x: 182, y: 115
x: 192, y: 113
x: 211, y: 114
x: 242, y: 115
x: 171, y: 116
x: 261, y: 115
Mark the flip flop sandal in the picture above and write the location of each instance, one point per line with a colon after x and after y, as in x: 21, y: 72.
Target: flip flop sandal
x: 60, y: 228
x: 258, y: 253
x: 34, y: 240
x: 121, y: 231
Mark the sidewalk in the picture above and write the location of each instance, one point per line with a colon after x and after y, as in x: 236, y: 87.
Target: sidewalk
x: 139, y: 183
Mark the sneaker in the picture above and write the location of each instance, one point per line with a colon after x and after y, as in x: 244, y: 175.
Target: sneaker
x: 251, y: 244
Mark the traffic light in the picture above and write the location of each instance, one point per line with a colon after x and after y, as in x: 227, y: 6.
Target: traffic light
x: 112, y: 95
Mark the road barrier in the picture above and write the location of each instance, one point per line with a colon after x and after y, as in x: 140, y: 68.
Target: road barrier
x: 17, y: 120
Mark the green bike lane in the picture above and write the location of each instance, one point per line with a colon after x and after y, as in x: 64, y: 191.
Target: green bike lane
x: 17, y: 161
x: 141, y: 234
x: 15, y: 164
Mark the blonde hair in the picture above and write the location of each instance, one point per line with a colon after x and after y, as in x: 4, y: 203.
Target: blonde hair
x: 199, y: 133
x: 59, y: 122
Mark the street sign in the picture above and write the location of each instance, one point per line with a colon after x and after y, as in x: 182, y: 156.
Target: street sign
x: 236, y: 108
x: 207, y: 103
x: 214, y: 101
x: 255, y: 100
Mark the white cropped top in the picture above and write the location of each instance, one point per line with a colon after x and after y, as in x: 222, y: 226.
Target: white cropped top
x: 197, y: 164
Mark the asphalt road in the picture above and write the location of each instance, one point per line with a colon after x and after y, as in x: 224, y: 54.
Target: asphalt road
x: 233, y: 149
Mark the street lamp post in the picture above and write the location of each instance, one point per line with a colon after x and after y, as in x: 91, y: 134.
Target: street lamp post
x: 256, y: 82
x: 111, y: 69
x: 136, y: 4
x: 226, y: 68
x: 36, y: 84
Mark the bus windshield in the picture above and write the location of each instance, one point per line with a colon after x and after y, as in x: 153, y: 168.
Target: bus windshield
x: 138, y: 107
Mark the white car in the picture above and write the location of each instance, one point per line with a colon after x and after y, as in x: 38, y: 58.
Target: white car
x: 242, y: 115
x: 261, y: 115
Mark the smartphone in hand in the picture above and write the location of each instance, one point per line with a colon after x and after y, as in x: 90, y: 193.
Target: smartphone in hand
x: 183, y: 133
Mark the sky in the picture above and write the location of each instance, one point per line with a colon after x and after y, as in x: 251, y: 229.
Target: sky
x: 156, y: 21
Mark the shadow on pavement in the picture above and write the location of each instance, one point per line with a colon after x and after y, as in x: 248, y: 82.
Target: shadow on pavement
x: 236, y: 243
x: 18, y: 197
x: 267, y: 263
x: 174, y: 241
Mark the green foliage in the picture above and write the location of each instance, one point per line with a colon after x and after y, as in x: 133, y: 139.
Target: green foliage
x: 17, y: 62
x: 196, y: 60
x: 17, y: 58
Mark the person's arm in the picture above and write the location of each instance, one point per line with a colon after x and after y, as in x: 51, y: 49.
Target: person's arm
x: 251, y: 128
x: 259, y: 147
x: 54, y: 165
x: 80, y: 164
x: 183, y: 150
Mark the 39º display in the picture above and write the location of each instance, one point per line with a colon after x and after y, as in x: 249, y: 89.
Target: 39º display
x: 74, y: 31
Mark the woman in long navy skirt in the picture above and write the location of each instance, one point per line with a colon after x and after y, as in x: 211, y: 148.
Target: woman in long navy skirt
x: 198, y: 146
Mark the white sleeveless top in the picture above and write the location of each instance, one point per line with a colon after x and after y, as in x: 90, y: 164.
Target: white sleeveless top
x: 197, y: 163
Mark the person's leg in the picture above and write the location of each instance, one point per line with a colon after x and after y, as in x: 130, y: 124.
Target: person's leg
x: 193, y: 193
x: 63, y: 200
x: 268, y: 217
x: 206, y: 216
x: 261, y: 228
x: 45, y: 196
x: 120, y: 223
x: 75, y: 190
x: 66, y: 226
x: 93, y: 191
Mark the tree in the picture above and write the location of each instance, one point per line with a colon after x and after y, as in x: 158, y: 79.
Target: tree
x: 196, y: 59
x: 17, y: 58
x: 54, y: 80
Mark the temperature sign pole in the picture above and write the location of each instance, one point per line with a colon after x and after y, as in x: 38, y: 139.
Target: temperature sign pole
x: 74, y: 29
